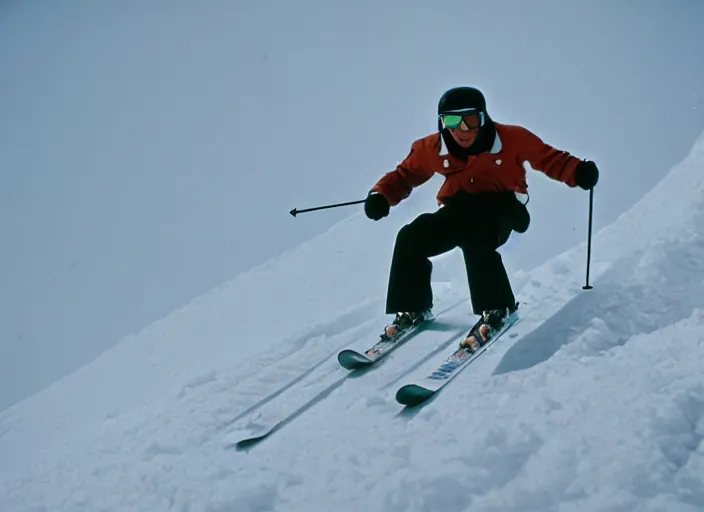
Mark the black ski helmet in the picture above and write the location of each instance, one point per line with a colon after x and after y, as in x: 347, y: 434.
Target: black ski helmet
x: 459, y: 98
x: 464, y: 97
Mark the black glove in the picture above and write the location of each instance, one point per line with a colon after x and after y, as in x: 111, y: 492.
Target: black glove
x: 520, y: 218
x: 376, y: 206
x: 586, y: 174
x: 516, y: 214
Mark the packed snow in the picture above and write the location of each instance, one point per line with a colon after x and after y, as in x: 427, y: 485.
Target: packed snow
x: 594, y: 403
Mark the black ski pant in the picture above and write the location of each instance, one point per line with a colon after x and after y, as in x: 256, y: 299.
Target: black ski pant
x: 476, y: 223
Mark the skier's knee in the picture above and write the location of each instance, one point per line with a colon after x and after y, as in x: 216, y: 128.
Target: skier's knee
x: 479, y: 250
x: 409, y: 232
x: 404, y: 234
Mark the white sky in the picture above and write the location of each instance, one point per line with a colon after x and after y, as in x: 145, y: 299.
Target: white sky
x: 151, y: 151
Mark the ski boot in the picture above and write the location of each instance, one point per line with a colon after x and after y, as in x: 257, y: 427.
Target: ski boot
x: 405, y: 321
x: 488, y: 325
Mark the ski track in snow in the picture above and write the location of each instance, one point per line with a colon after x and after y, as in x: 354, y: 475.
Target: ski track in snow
x: 595, y: 401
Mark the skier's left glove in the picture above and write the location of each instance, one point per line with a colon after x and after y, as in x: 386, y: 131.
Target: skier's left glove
x: 586, y: 175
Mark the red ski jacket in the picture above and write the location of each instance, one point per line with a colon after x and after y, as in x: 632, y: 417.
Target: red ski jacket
x: 499, y: 169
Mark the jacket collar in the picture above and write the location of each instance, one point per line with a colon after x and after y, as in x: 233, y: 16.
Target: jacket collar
x: 495, y: 148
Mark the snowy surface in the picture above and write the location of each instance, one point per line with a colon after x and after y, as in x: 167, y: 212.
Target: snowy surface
x: 596, y: 403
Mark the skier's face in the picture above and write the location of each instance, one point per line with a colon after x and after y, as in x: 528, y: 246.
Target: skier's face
x: 463, y: 135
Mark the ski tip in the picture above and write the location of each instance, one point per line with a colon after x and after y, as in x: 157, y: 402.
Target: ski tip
x: 351, y: 359
x: 412, y: 395
x: 246, y: 444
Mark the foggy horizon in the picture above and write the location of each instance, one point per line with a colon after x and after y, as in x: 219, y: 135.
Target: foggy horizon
x: 152, y: 151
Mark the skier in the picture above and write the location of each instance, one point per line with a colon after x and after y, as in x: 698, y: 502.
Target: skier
x: 479, y: 207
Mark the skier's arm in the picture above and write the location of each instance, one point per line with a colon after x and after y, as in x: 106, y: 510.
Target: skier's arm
x: 397, y: 185
x: 554, y: 163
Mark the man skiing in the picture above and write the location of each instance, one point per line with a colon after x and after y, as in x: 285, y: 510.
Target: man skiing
x: 482, y: 162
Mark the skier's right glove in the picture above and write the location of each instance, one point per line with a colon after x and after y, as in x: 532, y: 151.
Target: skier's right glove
x: 376, y: 206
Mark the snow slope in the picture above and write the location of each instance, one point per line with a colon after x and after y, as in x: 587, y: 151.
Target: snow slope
x: 597, y: 403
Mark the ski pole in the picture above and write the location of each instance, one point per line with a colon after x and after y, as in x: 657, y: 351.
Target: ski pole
x: 295, y: 211
x: 587, y: 286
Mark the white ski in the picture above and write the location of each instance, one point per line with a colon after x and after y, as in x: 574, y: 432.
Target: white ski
x: 424, y: 389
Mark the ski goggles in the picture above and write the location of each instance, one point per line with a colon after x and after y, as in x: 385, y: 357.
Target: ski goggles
x: 473, y: 119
